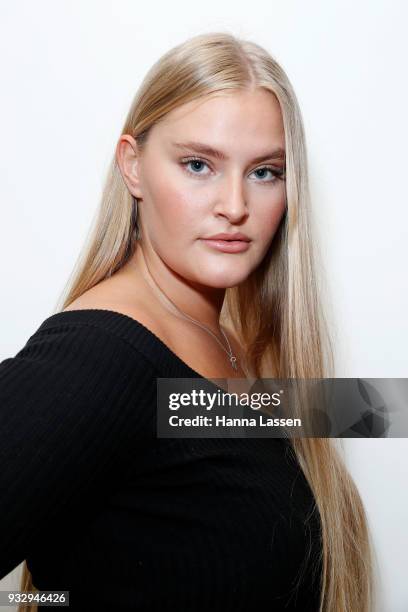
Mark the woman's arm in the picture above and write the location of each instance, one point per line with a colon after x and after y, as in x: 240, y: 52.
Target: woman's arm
x: 75, y: 403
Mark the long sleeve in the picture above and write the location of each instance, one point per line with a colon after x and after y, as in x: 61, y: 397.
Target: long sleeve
x: 75, y: 404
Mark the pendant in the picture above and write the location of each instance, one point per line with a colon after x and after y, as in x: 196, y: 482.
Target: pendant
x: 233, y: 360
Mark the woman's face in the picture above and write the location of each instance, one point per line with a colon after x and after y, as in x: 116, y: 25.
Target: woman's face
x: 190, y: 193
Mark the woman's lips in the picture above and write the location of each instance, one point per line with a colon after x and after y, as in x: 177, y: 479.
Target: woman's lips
x: 227, y: 246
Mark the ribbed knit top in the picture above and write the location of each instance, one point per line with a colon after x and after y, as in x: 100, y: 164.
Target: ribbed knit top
x: 101, y: 507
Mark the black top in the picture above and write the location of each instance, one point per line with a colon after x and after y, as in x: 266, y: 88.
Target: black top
x: 100, y: 506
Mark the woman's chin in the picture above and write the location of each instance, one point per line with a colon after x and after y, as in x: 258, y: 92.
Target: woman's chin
x: 223, y: 281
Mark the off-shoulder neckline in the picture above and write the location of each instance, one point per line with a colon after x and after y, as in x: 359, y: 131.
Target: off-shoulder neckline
x: 130, y: 329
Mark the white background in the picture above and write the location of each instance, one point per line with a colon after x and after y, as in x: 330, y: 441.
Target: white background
x: 69, y: 72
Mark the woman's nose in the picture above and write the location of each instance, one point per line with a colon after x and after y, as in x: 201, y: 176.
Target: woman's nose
x: 231, y: 200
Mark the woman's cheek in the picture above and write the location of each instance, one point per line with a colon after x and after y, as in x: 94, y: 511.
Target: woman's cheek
x: 268, y: 227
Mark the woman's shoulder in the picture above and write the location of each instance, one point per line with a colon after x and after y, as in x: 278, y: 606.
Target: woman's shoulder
x: 83, y: 359
x: 108, y: 296
x: 77, y: 406
x: 82, y: 348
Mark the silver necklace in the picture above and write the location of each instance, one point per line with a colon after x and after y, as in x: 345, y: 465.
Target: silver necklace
x: 229, y: 352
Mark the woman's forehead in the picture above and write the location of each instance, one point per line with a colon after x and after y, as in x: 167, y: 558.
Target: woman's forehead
x: 222, y: 120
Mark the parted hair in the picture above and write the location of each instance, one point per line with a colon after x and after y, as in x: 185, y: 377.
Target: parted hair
x: 277, y: 312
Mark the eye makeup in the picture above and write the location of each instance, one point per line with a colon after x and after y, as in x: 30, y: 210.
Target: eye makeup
x: 278, y: 173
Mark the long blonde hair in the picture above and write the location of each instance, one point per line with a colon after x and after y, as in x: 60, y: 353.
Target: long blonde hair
x: 277, y: 312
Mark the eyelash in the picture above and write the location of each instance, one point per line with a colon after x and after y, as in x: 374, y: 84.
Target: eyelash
x: 278, y: 174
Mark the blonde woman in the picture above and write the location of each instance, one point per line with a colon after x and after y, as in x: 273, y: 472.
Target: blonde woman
x: 200, y: 264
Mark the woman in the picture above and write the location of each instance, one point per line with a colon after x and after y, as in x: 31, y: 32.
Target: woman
x: 97, y: 504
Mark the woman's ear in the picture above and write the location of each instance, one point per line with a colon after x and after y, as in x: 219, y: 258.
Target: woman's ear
x: 128, y: 159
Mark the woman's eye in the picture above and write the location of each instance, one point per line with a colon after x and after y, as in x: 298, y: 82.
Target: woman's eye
x: 194, y: 165
x: 276, y: 173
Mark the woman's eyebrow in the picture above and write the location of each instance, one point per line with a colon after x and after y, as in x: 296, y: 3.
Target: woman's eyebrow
x: 205, y: 149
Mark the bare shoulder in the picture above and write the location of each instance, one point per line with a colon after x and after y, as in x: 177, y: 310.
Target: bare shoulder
x: 108, y: 295
x: 116, y: 295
